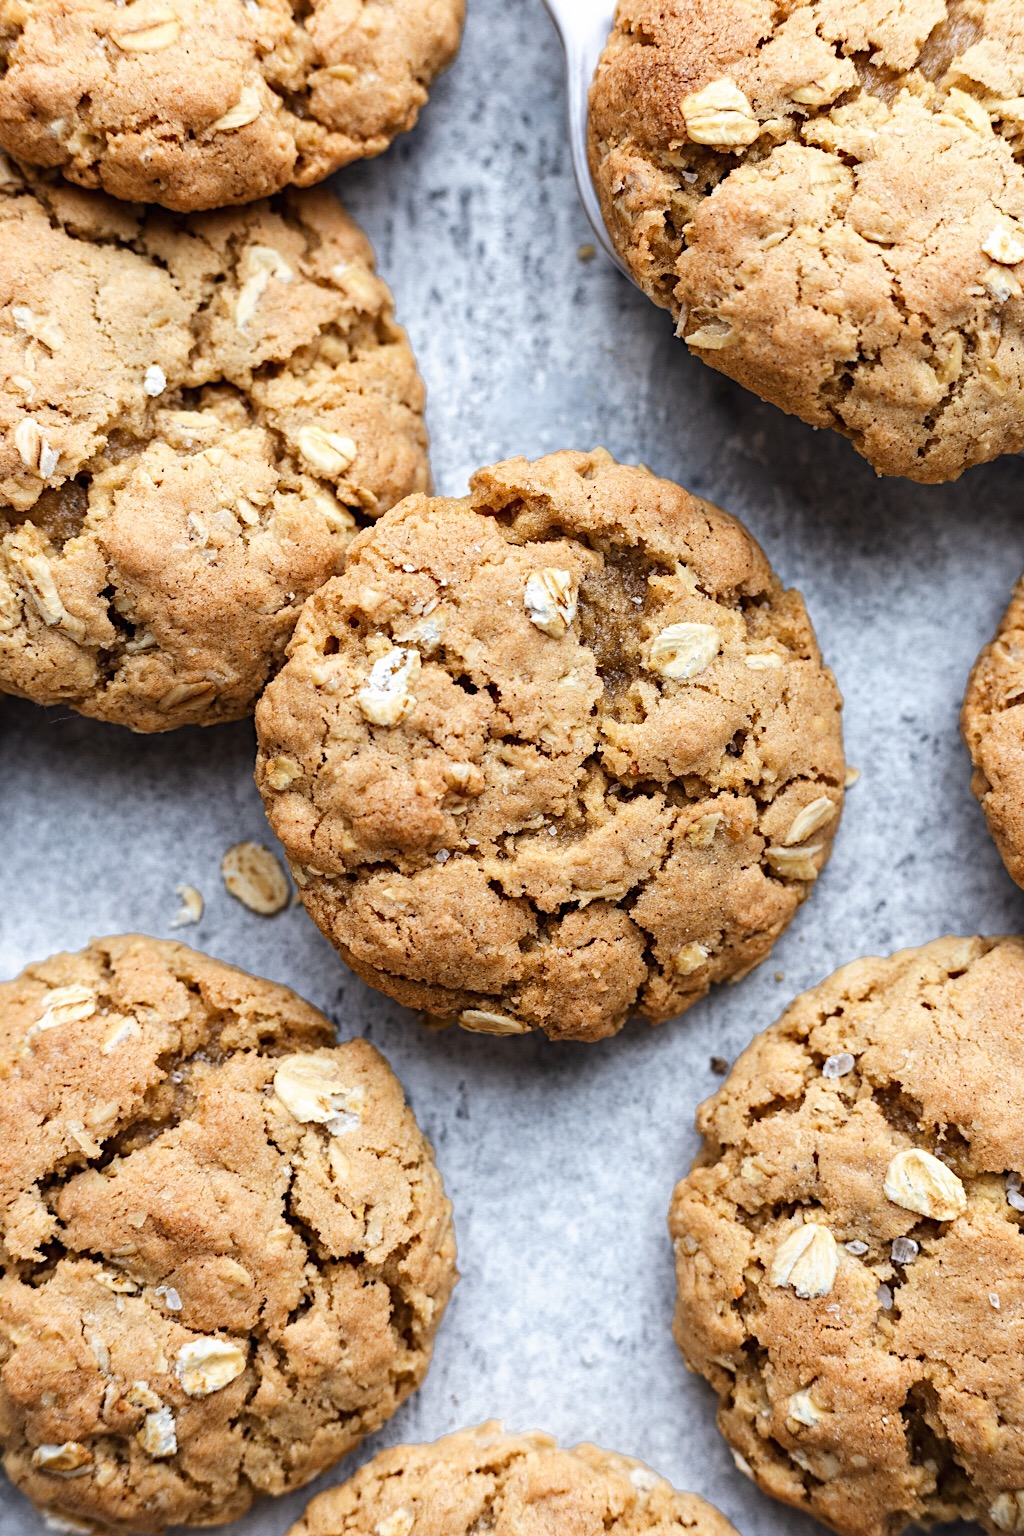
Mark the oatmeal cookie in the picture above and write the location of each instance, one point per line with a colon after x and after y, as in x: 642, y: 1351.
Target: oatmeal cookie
x: 849, y: 1247
x: 514, y: 1485
x: 196, y: 105
x: 992, y: 724
x: 192, y: 417
x: 829, y: 199
x: 554, y: 754
x: 225, y: 1246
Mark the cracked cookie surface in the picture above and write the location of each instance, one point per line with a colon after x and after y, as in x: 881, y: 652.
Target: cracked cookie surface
x: 195, y: 106
x: 849, y: 1248
x: 225, y: 1246
x: 192, y: 418
x: 992, y: 725
x: 554, y: 754
x: 830, y: 201
x: 511, y: 1485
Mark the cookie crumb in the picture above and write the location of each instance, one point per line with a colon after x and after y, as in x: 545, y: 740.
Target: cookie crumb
x: 719, y: 1066
x: 255, y: 878
x: 586, y: 252
x: 852, y: 775
x: 191, y: 909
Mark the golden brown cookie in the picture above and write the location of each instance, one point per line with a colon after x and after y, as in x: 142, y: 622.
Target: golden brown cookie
x: 197, y: 105
x: 992, y: 725
x: 829, y: 199
x: 554, y: 754
x: 511, y: 1485
x: 849, y: 1247
x: 192, y: 417
x: 225, y: 1246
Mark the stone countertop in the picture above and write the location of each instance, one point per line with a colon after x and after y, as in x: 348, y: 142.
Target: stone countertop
x: 561, y: 1160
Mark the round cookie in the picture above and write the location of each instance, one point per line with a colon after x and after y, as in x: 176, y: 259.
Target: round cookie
x: 226, y: 1248
x: 992, y: 725
x: 829, y: 199
x: 554, y: 754
x: 194, y: 105
x: 193, y: 417
x: 512, y: 1485
x: 849, y: 1247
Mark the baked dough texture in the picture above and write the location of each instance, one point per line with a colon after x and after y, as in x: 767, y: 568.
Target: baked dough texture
x: 992, y: 724
x: 849, y: 1247
x: 225, y: 1246
x: 553, y: 754
x: 828, y: 197
x: 197, y: 105
x: 192, y: 417
x: 510, y: 1485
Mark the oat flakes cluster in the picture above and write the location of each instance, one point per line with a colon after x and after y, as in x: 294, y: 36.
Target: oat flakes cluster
x: 192, y: 417
x: 197, y: 105
x: 829, y: 199
x: 511, y: 1485
x: 849, y: 1246
x: 225, y: 1246
x: 992, y: 723
x: 554, y: 754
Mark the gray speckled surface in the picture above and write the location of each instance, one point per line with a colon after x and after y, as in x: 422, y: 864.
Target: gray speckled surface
x: 560, y: 1161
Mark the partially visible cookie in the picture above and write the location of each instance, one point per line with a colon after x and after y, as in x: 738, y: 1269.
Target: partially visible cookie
x: 553, y: 754
x: 193, y: 417
x: 226, y: 1248
x: 849, y: 1245
x: 511, y: 1485
x: 829, y: 198
x: 196, y: 105
x: 992, y: 725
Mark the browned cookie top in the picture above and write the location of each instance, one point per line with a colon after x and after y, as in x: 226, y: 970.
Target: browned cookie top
x: 225, y: 1246
x: 849, y: 1246
x: 553, y: 754
x: 992, y: 723
x: 507, y: 1485
x: 199, y: 105
x: 829, y: 198
x: 192, y: 417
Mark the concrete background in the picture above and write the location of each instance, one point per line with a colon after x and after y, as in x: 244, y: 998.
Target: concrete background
x: 560, y: 1161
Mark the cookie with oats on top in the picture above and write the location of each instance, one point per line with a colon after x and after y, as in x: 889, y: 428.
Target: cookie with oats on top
x: 553, y: 754
x: 850, y: 1250
x: 828, y: 197
x: 196, y: 106
x: 226, y: 1246
x: 487, y: 1480
x: 992, y: 726
x: 196, y: 415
